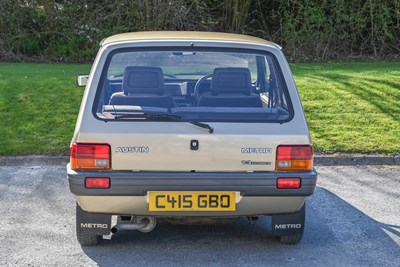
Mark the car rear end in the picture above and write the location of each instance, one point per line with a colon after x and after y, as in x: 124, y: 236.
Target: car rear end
x: 237, y: 145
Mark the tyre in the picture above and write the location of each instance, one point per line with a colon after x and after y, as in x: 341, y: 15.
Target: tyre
x: 85, y: 238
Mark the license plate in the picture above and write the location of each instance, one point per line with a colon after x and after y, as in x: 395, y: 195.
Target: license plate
x: 192, y: 201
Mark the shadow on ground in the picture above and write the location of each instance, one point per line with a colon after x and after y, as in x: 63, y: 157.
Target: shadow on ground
x: 336, y: 234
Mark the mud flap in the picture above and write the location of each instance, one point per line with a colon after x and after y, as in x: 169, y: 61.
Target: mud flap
x: 289, y: 224
x: 93, y: 223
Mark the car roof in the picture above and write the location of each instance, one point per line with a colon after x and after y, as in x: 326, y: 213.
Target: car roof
x: 184, y: 35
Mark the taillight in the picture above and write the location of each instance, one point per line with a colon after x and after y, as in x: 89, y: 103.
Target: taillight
x: 294, y: 158
x: 97, y: 183
x: 90, y: 156
x: 288, y: 183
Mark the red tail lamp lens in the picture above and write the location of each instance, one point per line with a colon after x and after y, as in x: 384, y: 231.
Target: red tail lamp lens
x: 294, y: 158
x: 99, y: 183
x: 90, y: 156
x: 288, y: 183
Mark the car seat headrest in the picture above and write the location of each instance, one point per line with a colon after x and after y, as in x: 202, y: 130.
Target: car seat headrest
x: 231, y: 80
x: 147, y: 80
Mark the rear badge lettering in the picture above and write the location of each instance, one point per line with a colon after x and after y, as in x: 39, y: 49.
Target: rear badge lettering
x: 250, y: 162
x: 288, y: 226
x: 254, y: 150
x: 94, y: 225
x: 132, y: 149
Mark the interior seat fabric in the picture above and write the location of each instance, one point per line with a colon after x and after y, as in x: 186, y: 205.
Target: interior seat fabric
x: 143, y: 86
x: 230, y: 87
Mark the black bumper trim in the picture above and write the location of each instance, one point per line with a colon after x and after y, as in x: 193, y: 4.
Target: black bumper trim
x: 139, y: 183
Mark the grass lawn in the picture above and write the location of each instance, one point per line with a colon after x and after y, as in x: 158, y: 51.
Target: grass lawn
x: 39, y: 104
x: 350, y: 107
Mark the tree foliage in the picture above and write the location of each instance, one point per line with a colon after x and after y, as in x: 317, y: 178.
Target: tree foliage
x: 70, y: 30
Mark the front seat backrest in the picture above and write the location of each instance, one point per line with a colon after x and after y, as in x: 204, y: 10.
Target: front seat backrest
x: 143, y: 86
x: 230, y: 87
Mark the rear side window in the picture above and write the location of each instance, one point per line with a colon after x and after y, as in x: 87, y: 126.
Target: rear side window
x: 203, y: 85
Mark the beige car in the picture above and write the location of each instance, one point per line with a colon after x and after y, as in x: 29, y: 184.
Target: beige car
x: 189, y: 126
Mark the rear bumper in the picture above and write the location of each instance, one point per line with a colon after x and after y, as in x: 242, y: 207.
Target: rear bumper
x: 139, y: 183
x: 139, y: 206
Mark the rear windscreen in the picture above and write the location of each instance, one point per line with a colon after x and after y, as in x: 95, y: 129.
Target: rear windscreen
x: 203, y: 85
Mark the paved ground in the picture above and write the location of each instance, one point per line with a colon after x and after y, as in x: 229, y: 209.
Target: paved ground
x: 352, y: 219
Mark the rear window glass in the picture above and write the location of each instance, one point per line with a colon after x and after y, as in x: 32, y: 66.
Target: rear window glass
x: 202, y: 85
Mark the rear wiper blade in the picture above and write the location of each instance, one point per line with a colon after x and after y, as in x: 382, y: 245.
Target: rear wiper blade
x: 163, y: 116
x: 146, y: 115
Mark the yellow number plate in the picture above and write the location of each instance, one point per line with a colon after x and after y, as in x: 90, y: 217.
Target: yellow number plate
x: 192, y: 201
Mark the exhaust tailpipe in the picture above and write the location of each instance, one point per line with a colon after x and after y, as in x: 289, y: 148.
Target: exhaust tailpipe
x: 140, y: 223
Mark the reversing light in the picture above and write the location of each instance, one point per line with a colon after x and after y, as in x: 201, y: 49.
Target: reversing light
x: 294, y: 158
x: 288, y: 183
x: 97, y: 182
x: 90, y: 156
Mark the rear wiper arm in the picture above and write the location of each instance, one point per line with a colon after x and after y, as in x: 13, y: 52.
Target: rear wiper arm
x: 164, y: 116
x: 203, y: 125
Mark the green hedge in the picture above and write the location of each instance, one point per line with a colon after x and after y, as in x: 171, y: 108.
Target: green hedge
x: 70, y: 30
